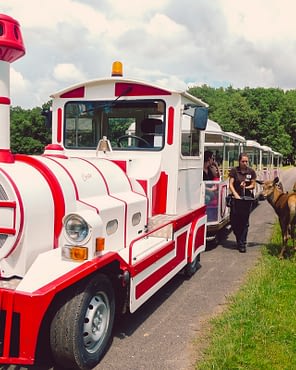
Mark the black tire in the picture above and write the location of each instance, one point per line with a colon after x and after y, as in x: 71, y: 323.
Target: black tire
x: 191, y: 267
x: 81, y: 329
x: 212, y: 242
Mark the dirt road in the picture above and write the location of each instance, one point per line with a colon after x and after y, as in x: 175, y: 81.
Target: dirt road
x: 160, y: 334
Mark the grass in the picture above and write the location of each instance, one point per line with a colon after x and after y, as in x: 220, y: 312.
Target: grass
x: 258, y: 329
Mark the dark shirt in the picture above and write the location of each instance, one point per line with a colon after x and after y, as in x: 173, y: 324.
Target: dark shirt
x: 247, y: 175
x: 208, y: 176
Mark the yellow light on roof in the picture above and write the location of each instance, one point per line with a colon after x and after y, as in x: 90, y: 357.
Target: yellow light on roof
x: 117, y: 69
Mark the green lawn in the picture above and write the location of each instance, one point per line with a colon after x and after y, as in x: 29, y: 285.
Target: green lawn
x: 258, y: 328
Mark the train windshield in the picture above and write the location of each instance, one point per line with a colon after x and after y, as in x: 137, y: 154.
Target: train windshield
x: 127, y: 124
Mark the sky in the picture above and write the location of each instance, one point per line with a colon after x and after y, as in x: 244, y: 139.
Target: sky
x: 173, y: 43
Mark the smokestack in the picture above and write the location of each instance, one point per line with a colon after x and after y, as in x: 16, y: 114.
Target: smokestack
x: 11, y: 49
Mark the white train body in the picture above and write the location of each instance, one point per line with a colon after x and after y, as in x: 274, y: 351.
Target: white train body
x: 117, y: 187
x: 41, y: 190
x: 112, y: 210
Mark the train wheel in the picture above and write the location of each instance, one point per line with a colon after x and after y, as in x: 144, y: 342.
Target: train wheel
x: 191, y: 267
x: 81, y: 328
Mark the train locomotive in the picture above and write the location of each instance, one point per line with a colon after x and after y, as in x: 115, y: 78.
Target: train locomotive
x: 108, y: 214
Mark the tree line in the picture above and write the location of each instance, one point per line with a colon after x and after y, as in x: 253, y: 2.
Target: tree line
x: 28, y: 132
x: 267, y: 115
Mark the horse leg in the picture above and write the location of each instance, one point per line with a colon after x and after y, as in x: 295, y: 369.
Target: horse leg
x: 285, y: 238
x: 293, y: 234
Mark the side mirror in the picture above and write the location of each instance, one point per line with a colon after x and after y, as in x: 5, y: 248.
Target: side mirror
x: 201, y: 118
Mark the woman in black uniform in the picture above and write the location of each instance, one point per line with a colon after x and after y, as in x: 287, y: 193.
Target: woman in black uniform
x: 242, y: 181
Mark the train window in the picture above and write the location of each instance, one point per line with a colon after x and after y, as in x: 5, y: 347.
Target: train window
x: 127, y: 124
x: 80, y: 132
x: 190, y: 137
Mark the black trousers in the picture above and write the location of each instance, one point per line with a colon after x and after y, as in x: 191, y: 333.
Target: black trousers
x: 239, y: 219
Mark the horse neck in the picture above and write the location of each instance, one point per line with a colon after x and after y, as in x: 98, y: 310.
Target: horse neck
x: 274, y: 196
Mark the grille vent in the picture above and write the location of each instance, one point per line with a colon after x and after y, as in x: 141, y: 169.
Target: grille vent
x: 3, y: 238
x: 3, y: 194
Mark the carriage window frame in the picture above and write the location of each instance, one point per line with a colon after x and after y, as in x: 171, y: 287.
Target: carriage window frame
x: 86, y: 122
x: 190, y: 138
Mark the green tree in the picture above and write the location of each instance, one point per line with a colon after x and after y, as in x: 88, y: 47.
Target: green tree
x: 228, y: 107
x: 267, y: 115
x: 213, y: 97
x: 235, y: 115
x: 270, y: 107
x: 28, y: 132
x: 288, y: 119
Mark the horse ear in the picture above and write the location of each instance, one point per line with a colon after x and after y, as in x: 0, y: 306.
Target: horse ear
x: 276, y: 180
x: 261, y: 182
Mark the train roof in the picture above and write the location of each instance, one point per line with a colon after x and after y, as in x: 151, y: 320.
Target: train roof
x: 253, y: 143
x: 278, y: 154
x: 113, y: 80
x: 213, y: 126
x: 266, y: 148
x: 236, y: 137
x: 215, y: 134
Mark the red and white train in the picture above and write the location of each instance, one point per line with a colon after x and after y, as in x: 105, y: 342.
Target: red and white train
x: 111, y: 211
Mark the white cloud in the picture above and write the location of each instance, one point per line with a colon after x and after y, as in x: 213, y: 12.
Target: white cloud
x: 67, y: 72
x: 163, y: 28
x: 18, y: 81
x: 137, y: 9
x: 34, y: 14
x: 261, y: 21
x: 219, y: 42
x: 19, y: 86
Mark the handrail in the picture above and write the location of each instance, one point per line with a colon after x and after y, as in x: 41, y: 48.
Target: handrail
x: 145, y: 235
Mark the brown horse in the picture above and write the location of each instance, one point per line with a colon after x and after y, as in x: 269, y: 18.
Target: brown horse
x: 284, y: 205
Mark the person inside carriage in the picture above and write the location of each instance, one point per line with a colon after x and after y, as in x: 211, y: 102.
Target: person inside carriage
x: 210, y: 168
x: 211, y: 173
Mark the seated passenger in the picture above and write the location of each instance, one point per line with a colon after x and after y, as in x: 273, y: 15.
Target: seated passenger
x: 210, y: 169
x: 210, y: 173
x: 152, y: 130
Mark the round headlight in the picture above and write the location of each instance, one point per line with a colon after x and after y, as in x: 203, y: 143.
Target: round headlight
x: 77, y: 229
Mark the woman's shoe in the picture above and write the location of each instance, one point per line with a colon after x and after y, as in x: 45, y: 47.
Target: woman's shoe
x: 242, y: 248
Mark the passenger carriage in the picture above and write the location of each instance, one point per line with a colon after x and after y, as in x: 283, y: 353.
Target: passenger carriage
x: 266, y: 162
x: 226, y: 147
x: 277, y: 164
